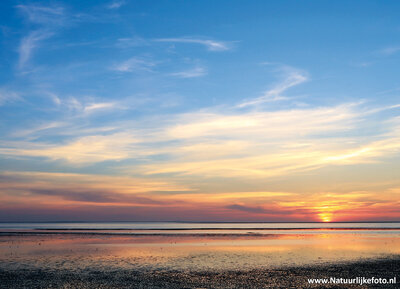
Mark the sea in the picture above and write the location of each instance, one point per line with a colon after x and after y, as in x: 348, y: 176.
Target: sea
x: 186, y: 227
x: 203, y: 246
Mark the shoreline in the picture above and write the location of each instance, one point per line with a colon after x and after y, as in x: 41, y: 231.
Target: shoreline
x: 200, y: 232
x: 215, y: 229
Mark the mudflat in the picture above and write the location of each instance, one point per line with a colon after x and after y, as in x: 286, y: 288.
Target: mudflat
x: 193, y: 260
x: 290, y: 277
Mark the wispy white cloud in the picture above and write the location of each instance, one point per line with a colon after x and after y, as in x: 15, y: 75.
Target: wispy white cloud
x: 47, y: 21
x: 99, y: 106
x: 127, y: 186
x: 7, y: 96
x: 54, y: 97
x: 116, y: 4
x: 362, y: 64
x: 219, y: 144
x: 386, y: 91
x: 29, y: 43
x: 382, y: 108
x: 131, y: 42
x: 134, y: 64
x: 50, y: 18
x: 390, y: 50
x: 214, y: 142
x: 87, y: 149
x: 265, y: 124
x: 280, y: 143
x: 212, y: 45
x: 191, y: 73
x: 88, y: 106
x: 292, y: 77
x: 32, y: 132
x: 83, y: 105
x: 44, y: 15
x: 73, y: 104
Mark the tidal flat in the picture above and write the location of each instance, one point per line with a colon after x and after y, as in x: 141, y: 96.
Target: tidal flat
x: 195, y: 259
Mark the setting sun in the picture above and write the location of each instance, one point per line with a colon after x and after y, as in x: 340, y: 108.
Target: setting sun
x: 325, y: 217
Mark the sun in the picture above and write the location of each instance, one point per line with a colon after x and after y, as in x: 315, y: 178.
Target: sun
x: 325, y: 217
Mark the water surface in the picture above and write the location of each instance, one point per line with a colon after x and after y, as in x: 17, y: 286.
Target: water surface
x: 192, y: 246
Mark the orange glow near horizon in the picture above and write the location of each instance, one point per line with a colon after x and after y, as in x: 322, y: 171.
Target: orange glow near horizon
x: 325, y: 217
x: 63, y: 196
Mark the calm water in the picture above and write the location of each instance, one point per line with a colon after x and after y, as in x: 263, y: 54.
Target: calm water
x: 192, y: 226
x: 192, y: 246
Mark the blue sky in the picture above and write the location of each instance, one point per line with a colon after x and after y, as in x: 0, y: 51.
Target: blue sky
x: 222, y: 98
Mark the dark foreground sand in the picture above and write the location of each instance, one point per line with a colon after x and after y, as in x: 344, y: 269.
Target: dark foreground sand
x: 295, y: 277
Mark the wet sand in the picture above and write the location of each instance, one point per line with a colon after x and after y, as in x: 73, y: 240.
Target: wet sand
x: 246, y: 260
x: 292, y: 277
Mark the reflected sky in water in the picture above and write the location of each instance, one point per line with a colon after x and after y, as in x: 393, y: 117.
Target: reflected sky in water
x: 191, y: 251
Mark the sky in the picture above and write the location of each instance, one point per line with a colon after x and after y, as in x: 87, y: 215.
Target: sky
x: 274, y: 111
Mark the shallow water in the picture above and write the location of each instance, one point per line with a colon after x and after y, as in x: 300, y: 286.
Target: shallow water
x: 191, y: 226
x: 195, y: 250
